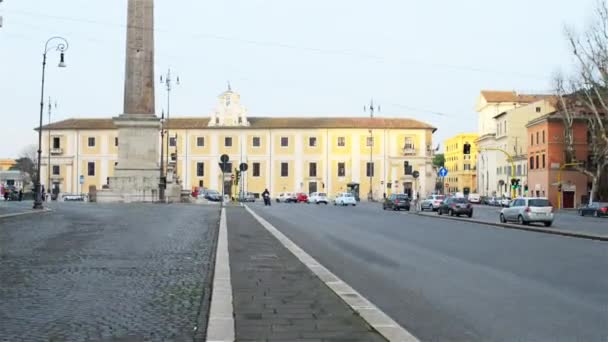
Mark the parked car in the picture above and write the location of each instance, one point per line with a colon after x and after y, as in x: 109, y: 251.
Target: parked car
x: 474, y: 199
x: 287, y: 197
x: 246, y: 197
x: 318, y: 198
x: 505, y: 201
x: 493, y: 201
x: 301, y: 197
x: 456, y: 206
x: 596, y: 209
x: 432, y: 202
x: 345, y: 198
x: 396, y: 202
x: 484, y: 200
x: 210, y: 195
x: 528, y: 210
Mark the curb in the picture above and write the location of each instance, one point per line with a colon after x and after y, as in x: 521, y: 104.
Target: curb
x: 526, y: 228
x: 29, y: 212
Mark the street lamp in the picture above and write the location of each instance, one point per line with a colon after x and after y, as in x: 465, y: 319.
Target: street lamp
x: 59, y: 44
x: 168, y: 82
x: 370, y: 167
x: 162, y: 182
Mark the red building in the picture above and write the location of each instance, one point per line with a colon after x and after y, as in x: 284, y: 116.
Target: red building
x: 547, y: 153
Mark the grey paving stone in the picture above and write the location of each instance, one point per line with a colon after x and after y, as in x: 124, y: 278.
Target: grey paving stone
x: 89, y: 272
x: 277, y: 298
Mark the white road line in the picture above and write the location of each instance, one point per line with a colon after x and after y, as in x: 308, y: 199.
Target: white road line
x: 375, y: 317
x: 221, y: 314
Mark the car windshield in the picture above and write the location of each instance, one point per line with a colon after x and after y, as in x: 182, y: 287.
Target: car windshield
x: 460, y: 200
x: 401, y: 197
x: 321, y: 194
x: 347, y: 195
x: 539, y: 203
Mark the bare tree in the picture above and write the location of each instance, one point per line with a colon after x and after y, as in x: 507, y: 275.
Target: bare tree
x: 585, y: 96
x: 28, y: 161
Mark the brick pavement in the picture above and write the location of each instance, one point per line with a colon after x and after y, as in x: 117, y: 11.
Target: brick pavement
x: 86, y: 272
x: 277, y: 298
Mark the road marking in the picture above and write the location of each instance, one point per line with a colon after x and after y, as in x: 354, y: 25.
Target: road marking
x: 221, y: 315
x: 375, y: 317
x: 29, y: 212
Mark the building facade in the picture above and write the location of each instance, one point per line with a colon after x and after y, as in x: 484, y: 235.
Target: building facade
x: 462, y: 168
x: 6, y: 164
x: 502, y: 118
x: 283, y: 154
x: 546, y: 154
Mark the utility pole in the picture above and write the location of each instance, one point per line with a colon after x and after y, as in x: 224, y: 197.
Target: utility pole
x: 162, y: 182
x: 168, y: 82
x: 370, y: 144
x: 48, y: 184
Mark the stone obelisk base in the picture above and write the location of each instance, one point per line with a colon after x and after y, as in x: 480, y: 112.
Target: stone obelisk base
x: 136, y: 176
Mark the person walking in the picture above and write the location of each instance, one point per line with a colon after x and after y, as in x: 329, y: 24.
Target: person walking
x: 20, y: 195
x: 5, y: 194
x: 266, y: 196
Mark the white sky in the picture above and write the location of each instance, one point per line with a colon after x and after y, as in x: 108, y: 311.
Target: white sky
x: 287, y: 58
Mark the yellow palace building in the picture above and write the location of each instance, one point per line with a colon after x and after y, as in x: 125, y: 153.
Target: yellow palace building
x: 283, y: 154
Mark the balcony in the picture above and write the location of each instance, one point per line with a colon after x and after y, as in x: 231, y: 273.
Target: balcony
x: 56, y: 151
x: 56, y: 178
x: 409, y: 151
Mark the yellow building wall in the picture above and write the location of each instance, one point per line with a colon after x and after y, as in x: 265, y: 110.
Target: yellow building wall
x: 338, y: 184
x: 364, y: 150
x: 283, y: 184
x: 340, y: 150
x: 280, y: 150
x: 6, y: 164
x: 202, y: 150
x: 91, y: 180
x: 194, y: 178
x: 320, y: 148
x: 234, y: 149
x: 84, y: 143
x: 261, y: 150
x: 458, y: 178
x: 256, y: 184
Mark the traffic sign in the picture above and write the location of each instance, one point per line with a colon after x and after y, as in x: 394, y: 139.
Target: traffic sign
x: 243, y: 167
x: 224, y: 158
x: 416, y: 174
x: 443, y: 172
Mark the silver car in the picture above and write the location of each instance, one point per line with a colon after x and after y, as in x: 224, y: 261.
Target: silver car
x: 433, y: 202
x: 528, y: 210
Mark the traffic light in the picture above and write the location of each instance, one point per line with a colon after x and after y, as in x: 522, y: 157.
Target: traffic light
x: 515, y: 183
x: 526, y: 188
x: 238, y: 177
x: 466, y: 148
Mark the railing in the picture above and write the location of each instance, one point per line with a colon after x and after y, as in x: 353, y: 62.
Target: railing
x: 409, y: 151
x: 57, y: 151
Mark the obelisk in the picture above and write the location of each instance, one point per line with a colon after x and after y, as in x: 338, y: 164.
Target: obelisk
x: 136, y: 174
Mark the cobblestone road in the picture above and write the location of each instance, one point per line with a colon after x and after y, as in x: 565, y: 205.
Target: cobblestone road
x: 107, y: 272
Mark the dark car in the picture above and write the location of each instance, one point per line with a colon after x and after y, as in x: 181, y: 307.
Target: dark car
x: 396, y: 202
x: 456, y: 206
x: 210, y: 195
x: 596, y: 209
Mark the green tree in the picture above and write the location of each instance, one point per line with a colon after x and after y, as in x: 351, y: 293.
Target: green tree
x: 439, y: 160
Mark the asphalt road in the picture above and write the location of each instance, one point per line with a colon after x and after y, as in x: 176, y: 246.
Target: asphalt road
x: 453, y: 281
x: 125, y: 272
x: 566, y: 220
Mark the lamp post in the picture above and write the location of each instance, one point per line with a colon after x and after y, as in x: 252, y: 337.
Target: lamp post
x: 59, y: 44
x: 168, y: 82
x: 48, y: 169
x: 162, y: 182
x: 370, y: 167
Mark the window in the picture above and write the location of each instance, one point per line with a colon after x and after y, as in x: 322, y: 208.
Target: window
x: 531, y: 163
x: 256, y: 169
x: 200, y: 169
x: 256, y: 142
x: 407, y: 168
x: 409, y: 144
x: 284, y: 169
x: 56, y: 170
x: 115, y: 141
x: 312, y: 170
x: 341, y: 170
x: 467, y: 167
x: 543, y: 161
x: 341, y: 141
x: 536, y: 138
x: 531, y: 139
x: 200, y: 141
x: 538, y: 109
x: 519, y: 170
x: 91, y: 168
x: 56, y: 142
x: 369, y: 142
x: 91, y: 142
x: 537, y: 163
x: 312, y: 141
x: 227, y: 141
x: 370, y: 169
x: 284, y: 141
x: 543, y: 137
x: 172, y: 141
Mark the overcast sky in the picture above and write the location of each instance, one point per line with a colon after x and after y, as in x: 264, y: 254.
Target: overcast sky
x: 426, y: 60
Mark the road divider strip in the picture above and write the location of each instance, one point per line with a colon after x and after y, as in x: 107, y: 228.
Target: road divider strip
x: 221, y: 314
x: 375, y: 317
x: 568, y: 233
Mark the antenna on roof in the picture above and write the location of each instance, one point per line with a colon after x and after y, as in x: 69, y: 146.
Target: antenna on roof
x: 229, y: 87
x: 371, y: 109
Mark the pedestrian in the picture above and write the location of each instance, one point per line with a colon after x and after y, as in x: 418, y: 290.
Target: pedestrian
x: 5, y: 194
x: 266, y: 196
x: 20, y: 195
x: 43, y: 194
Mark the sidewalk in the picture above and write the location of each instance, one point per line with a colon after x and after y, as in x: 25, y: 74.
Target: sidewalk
x: 10, y: 208
x: 276, y: 297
